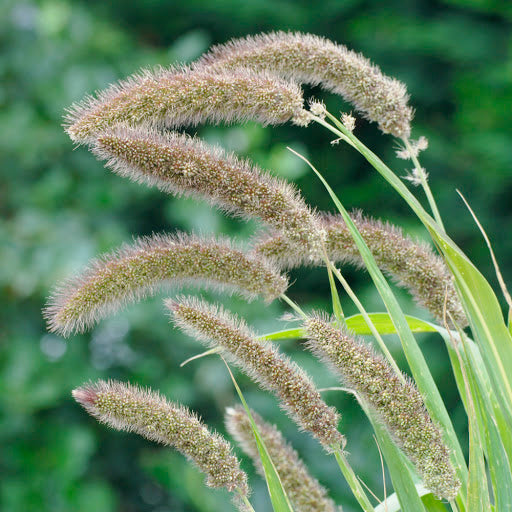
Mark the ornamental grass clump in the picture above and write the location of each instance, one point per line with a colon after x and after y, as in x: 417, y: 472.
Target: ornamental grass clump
x: 258, y: 79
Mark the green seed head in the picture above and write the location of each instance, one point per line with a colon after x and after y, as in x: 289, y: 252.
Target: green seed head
x: 261, y: 361
x: 136, y: 271
x: 130, y: 408
x: 304, y: 491
x: 181, y: 97
x: 184, y: 165
x: 397, y: 402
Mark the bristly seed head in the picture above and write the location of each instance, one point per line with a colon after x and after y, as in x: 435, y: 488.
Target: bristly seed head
x: 304, y: 491
x: 398, y: 403
x: 310, y: 59
x: 181, y: 97
x: 412, y: 264
x: 184, y: 165
x: 130, y: 408
x: 261, y: 361
x: 135, y: 271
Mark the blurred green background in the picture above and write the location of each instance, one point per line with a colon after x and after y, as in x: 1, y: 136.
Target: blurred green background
x: 60, y: 208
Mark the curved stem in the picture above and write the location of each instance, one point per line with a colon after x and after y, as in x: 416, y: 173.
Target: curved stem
x: 420, y: 172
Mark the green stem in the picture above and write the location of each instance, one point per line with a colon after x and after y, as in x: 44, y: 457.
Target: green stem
x: 352, y: 480
x: 424, y: 183
x: 336, y: 304
x: 246, y: 501
x: 342, y: 280
x: 293, y: 305
x: 454, y: 506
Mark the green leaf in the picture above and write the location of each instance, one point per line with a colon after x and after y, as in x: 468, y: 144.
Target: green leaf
x: 286, y: 334
x: 432, y: 504
x: 495, y: 432
x: 385, y: 325
x: 486, y: 320
x: 358, y: 325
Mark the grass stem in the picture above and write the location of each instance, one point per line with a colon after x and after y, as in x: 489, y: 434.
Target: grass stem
x: 352, y: 480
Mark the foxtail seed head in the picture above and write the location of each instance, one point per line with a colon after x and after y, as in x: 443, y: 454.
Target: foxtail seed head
x: 178, y: 96
x: 130, y: 408
x: 310, y: 59
x: 411, y: 264
x: 398, y: 404
x: 262, y: 362
x: 304, y: 491
x: 135, y: 271
x: 181, y: 164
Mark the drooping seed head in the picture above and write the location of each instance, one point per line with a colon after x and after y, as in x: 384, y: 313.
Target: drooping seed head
x: 310, y: 59
x: 411, y: 264
x: 397, y: 402
x: 130, y: 408
x: 261, y: 361
x: 180, y: 164
x: 137, y: 270
x: 304, y: 491
x: 181, y: 97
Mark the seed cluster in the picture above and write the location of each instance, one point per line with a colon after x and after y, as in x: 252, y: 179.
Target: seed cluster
x: 181, y: 164
x: 136, y: 270
x: 398, y: 403
x: 306, y: 58
x: 180, y: 97
x: 304, y: 491
x: 261, y: 361
x: 413, y: 265
x: 130, y: 408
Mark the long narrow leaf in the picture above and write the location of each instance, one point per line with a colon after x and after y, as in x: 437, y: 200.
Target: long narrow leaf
x: 497, y: 435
